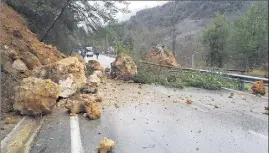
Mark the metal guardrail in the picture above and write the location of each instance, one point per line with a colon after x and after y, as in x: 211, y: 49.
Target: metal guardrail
x: 244, y: 78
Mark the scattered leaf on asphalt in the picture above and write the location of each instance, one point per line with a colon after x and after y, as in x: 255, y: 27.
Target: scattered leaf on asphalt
x: 188, y: 101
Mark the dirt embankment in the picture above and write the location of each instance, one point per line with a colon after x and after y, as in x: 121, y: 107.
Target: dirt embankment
x: 16, y: 36
x: 21, y: 52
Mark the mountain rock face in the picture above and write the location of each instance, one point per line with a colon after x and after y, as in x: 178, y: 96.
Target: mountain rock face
x: 154, y: 25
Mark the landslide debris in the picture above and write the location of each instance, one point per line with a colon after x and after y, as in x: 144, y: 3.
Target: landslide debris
x: 123, y: 68
x: 68, y: 73
x: 22, y: 43
x: 85, y: 103
x: 21, y: 52
x: 258, y: 88
x: 160, y: 55
x: 95, y: 65
x: 36, y: 96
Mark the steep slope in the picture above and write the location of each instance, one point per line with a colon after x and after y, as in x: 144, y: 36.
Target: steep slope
x: 21, y: 52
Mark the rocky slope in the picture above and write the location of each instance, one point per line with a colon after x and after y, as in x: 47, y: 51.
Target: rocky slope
x: 21, y: 52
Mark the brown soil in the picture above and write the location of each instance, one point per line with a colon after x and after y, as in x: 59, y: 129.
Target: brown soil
x: 15, y: 35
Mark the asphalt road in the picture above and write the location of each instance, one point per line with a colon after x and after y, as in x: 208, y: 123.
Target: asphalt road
x: 104, y: 60
x: 154, y: 119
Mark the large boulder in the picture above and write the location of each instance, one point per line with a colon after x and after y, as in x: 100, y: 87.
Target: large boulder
x: 95, y: 65
x: 160, y: 55
x: 68, y: 73
x: 123, y: 67
x: 36, y: 96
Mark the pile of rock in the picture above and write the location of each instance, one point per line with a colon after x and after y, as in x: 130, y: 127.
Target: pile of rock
x: 63, y: 79
x: 48, y: 75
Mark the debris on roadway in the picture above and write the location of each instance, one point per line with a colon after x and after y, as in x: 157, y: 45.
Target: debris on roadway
x: 95, y: 65
x: 123, y: 68
x: 68, y: 73
x: 106, y: 145
x: 85, y: 103
x: 258, y: 88
x: 188, y: 101
x: 36, y: 96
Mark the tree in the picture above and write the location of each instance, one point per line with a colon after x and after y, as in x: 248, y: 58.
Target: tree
x: 56, y: 19
x: 249, y: 39
x: 214, y: 38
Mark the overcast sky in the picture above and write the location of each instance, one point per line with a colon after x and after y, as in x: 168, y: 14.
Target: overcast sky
x: 135, y: 6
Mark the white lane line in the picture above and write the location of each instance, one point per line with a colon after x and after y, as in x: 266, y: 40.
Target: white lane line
x: 258, y: 134
x: 76, y: 145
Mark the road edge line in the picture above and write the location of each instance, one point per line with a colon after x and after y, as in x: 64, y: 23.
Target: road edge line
x: 9, y: 136
x: 28, y: 146
x: 76, y: 143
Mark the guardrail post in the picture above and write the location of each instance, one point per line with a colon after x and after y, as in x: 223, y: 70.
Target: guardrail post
x: 241, y: 85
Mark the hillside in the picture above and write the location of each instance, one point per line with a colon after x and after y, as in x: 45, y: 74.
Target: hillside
x: 154, y: 25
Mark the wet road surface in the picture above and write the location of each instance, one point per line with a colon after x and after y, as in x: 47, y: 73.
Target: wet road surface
x: 154, y: 119
x: 159, y: 121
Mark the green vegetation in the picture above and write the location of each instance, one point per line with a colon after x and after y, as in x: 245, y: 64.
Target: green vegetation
x: 215, y: 38
x: 249, y: 39
x: 121, y: 48
x: 243, y: 43
x: 153, y: 74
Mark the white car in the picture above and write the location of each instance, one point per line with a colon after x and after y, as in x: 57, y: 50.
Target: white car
x: 89, y: 54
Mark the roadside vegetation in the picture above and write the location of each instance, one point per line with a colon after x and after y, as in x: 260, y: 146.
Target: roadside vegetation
x: 148, y: 74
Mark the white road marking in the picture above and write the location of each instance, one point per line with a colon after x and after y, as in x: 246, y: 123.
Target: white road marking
x: 258, y: 134
x: 76, y: 145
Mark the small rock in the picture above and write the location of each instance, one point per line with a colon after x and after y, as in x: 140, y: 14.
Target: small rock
x: 231, y: 95
x: 197, y: 149
x: 116, y: 105
x: 106, y: 145
x: 51, y: 138
x: 216, y: 106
